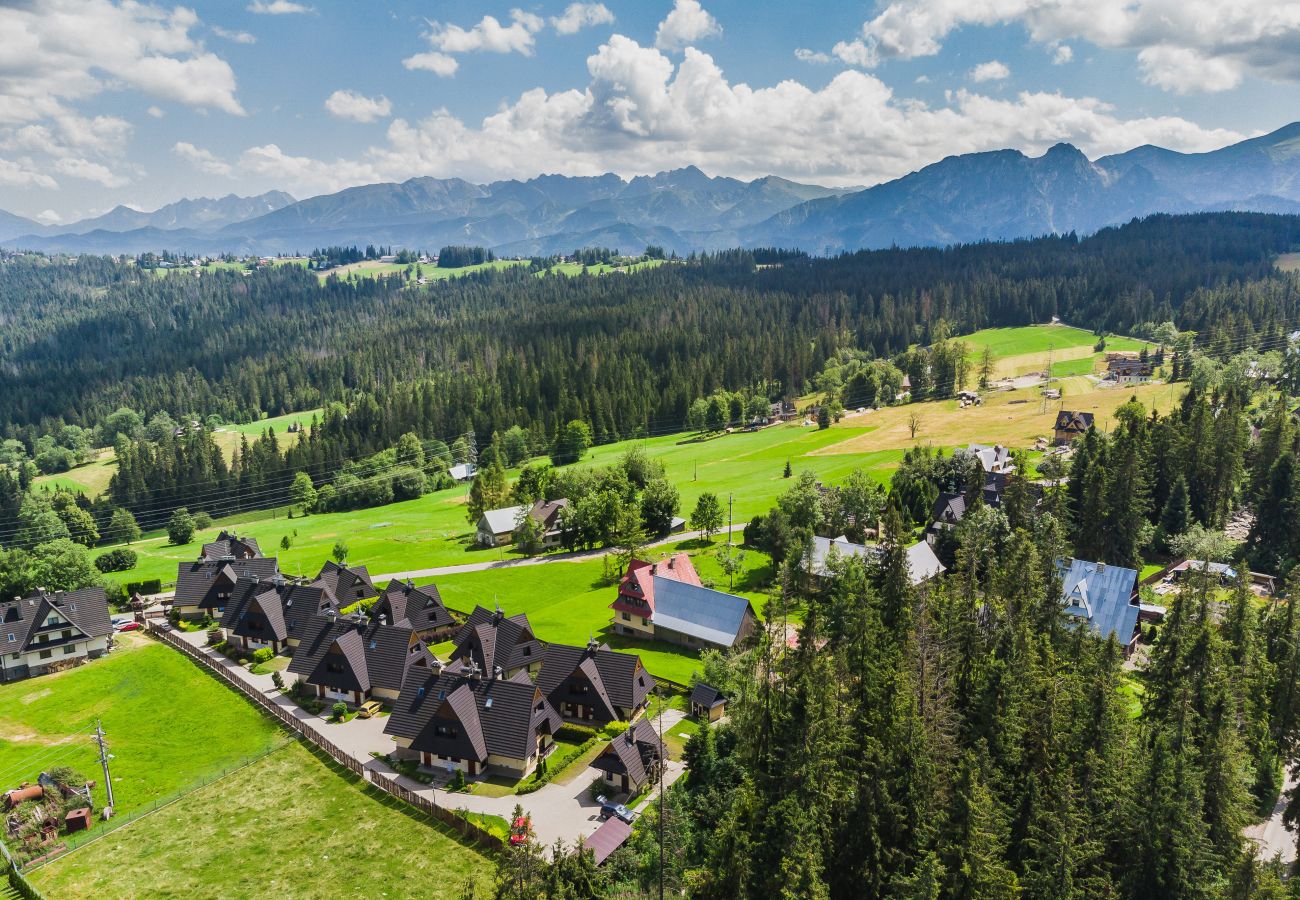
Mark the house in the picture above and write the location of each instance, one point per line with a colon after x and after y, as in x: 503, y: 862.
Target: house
x: 462, y: 472
x: 1102, y: 596
x: 707, y: 702
x: 996, y: 459
x: 633, y: 759
x: 816, y: 563
x: 229, y: 545
x: 995, y: 483
x: 493, y: 640
x: 273, y: 613
x: 922, y: 564
x: 203, y: 587
x: 347, y: 658
x: 1070, y: 425
x: 347, y: 584
x: 1128, y: 371
x: 461, y: 718
x: 1223, y: 572
x: 594, y: 684
x: 50, y: 631
x: 496, y: 527
x: 665, y: 601
x: 417, y: 608
x: 949, y: 508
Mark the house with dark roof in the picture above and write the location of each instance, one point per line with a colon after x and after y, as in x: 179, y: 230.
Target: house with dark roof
x: 347, y: 584
x: 463, y: 718
x: 665, y: 601
x: 50, y: 631
x: 499, y: 644
x: 418, y: 608
x: 204, y: 587
x: 272, y: 613
x: 229, y: 545
x: 1071, y: 425
x: 707, y: 702
x: 1128, y: 371
x: 496, y: 527
x: 1102, y: 596
x: 949, y: 509
x: 632, y: 759
x: 350, y: 659
x: 594, y: 684
x: 995, y: 485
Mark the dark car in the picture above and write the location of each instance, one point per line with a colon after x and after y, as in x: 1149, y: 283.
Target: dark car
x: 618, y: 810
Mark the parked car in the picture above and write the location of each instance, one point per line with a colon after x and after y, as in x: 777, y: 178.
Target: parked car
x: 127, y: 626
x: 618, y: 810
x: 519, y: 831
x: 369, y: 708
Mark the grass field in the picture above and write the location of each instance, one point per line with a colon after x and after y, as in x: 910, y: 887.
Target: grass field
x: 1017, y: 351
x: 92, y: 478
x: 290, y: 825
x: 602, y: 268
x: 569, y: 602
x: 168, y: 724
x: 375, y: 269
x: 1289, y: 262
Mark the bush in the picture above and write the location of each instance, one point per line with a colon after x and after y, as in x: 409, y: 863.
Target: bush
x: 202, y: 521
x: 263, y: 655
x: 278, y: 680
x: 457, y: 782
x: 339, y: 710
x: 152, y: 586
x: 614, y: 729
x: 119, y: 560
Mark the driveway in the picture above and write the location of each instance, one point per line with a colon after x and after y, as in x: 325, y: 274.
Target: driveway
x: 1271, y: 835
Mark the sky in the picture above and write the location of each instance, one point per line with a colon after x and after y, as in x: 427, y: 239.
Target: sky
x: 106, y: 102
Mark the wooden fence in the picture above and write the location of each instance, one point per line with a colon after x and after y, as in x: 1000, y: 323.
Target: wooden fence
x: 17, y: 883
x: 286, y: 717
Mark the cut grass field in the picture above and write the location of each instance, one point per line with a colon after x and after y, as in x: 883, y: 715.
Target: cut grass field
x: 91, y: 478
x: 1289, y: 262
x: 375, y: 269
x: 1017, y: 351
x: 290, y: 825
x: 169, y: 725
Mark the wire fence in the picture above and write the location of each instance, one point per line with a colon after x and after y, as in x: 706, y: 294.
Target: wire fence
x: 18, y: 885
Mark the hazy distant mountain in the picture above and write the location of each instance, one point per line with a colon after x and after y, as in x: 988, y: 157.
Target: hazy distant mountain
x: 979, y: 196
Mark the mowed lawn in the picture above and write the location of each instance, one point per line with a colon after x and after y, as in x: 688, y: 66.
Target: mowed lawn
x: 434, y: 530
x: 568, y: 603
x: 91, y: 479
x: 168, y: 724
x: 289, y: 825
x: 1017, y: 351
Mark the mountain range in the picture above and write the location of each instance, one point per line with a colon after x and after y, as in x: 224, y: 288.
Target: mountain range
x: 996, y: 195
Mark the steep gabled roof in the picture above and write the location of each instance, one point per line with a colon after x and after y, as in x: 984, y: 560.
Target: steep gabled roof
x: 949, y: 507
x: 348, y: 584
x: 499, y: 521
x: 702, y: 613
x: 229, y: 544
x: 416, y: 607
x: 637, y: 583
x: 634, y: 749
x: 85, y: 610
x: 922, y: 564
x: 1100, y: 595
x: 493, y: 639
x: 1073, y: 422
x: 377, y: 656
x: 196, y: 581
x: 706, y: 695
x: 255, y: 610
x: 618, y: 679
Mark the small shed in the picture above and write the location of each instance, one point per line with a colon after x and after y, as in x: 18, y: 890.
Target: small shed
x: 611, y: 835
x: 77, y: 820
x: 707, y: 703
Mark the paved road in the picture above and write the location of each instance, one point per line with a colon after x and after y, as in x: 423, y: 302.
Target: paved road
x: 1271, y: 835
x: 576, y: 556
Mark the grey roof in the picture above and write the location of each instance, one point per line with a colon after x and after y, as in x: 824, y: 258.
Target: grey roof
x: 619, y: 680
x: 1073, y: 422
x: 499, y: 521
x: 493, y: 639
x: 950, y: 507
x: 85, y: 609
x: 922, y: 564
x: 416, y: 607
x: 372, y: 655
x: 821, y: 551
x: 706, y: 695
x: 463, y: 471
x: 496, y: 716
x: 702, y: 613
x: 631, y: 752
x: 197, y: 583
x: 348, y: 584
x: 1101, y: 595
x: 298, y: 605
x: 230, y: 544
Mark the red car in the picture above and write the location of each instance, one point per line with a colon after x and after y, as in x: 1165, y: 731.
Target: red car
x: 519, y: 831
x: 127, y: 626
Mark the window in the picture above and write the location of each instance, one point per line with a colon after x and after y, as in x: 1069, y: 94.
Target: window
x: 334, y: 665
x: 11, y: 636
x: 17, y: 656
x: 447, y: 731
x: 67, y: 634
x: 645, y: 621
x: 69, y: 649
x: 627, y: 617
x: 580, y: 689
x: 528, y: 651
x: 45, y: 654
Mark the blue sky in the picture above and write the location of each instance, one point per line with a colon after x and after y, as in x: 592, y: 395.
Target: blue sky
x: 114, y: 101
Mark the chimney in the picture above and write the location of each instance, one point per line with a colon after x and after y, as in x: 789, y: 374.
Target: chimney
x: 498, y: 672
x: 592, y: 646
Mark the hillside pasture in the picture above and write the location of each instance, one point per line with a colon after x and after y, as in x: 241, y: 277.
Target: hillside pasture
x: 91, y: 478
x: 1289, y: 262
x: 1018, y: 351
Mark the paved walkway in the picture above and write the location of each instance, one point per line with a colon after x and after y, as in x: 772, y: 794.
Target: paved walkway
x: 1271, y: 835
x: 558, y: 810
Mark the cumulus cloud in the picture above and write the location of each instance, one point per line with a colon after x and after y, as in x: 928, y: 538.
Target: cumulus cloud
x: 641, y: 113
x: 990, y: 71
x: 156, y: 112
x: 489, y: 35
x: 578, y: 16
x: 16, y: 173
x: 357, y: 107
x: 239, y: 37
x: 278, y: 7
x: 67, y: 144
x: 803, y: 54
x: 438, y: 63
x: 1062, y: 54
x: 687, y: 23
x: 203, y: 160
x: 856, y: 53
x: 49, y: 217
x: 1192, y: 45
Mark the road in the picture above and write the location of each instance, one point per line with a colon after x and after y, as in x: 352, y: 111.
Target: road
x: 1271, y: 835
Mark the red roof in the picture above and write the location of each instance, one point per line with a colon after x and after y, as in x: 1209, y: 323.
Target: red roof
x: 637, y: 584
x: 608, y: 838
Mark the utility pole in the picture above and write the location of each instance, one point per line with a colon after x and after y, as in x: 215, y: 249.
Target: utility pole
x: 104, y: 757
x: 731, y: 567
x: 1048, y: 385
x: 662, y: 766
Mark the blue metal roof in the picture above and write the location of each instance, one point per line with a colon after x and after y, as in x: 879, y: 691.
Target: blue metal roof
x: 1100, y: 594
x: 698, y: 611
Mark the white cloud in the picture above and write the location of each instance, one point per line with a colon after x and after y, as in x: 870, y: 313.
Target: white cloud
x: 990, y: 71
x: 156, y: 112
x: 239, y: 37
x: 856, y: 53
x: 278, y: 7
x: 1182, y: 45
x: 687, y: 23
x: 1062, y: 54
x: 49, y: 217
x: 433, y: 61
x: 358, y: 107
x: 803, y: 54
x: 15, y: 173
x: 578, y: 16
x: 641, y: 113
x: 203, y: 160
x: 489, y: 35
x: 68, y: 144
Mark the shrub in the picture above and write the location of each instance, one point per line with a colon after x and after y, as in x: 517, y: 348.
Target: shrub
x: 152, y: 586
x: 202, y: 521
x: 278, y: 680
x: 339, y: 710
x: 457, y: 782
x: 614, y: 729
x: 265, y: 654
x: 116, y: 560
